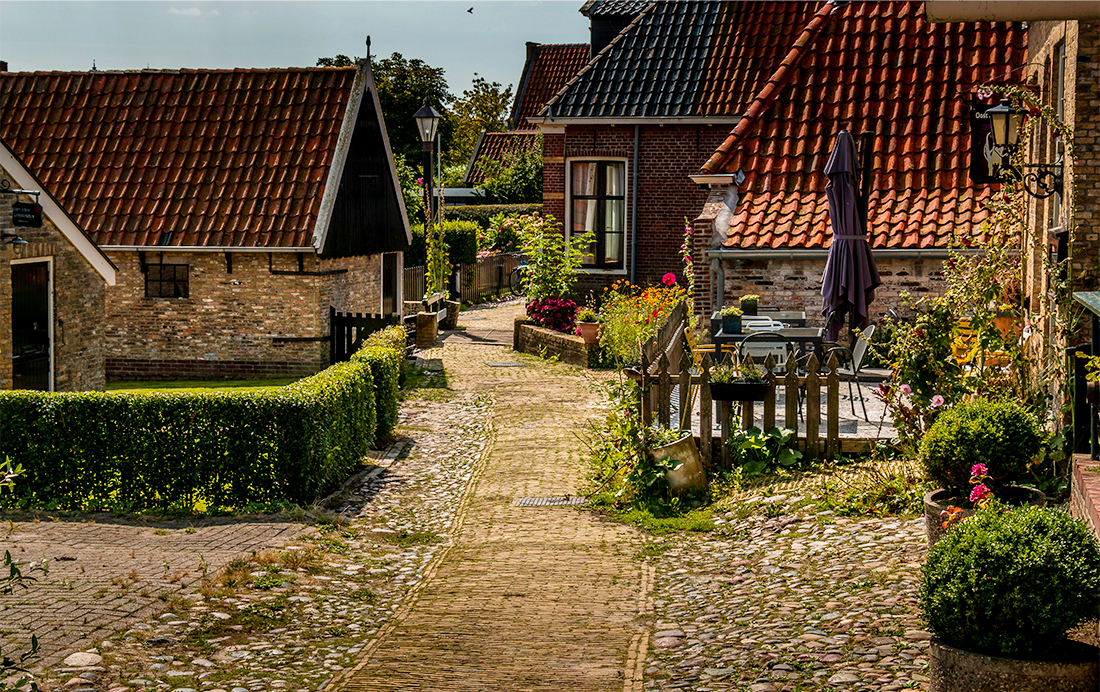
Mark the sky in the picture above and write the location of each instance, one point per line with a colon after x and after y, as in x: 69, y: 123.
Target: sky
x: 46, y: 35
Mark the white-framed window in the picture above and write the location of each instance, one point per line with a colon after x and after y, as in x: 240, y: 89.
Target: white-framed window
x: 597, y: 202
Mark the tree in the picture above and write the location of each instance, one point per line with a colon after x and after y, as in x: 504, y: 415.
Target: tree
x: 515, y: 180
x: 340, y: 60
x: 483, y: 107
x: 402, y: 86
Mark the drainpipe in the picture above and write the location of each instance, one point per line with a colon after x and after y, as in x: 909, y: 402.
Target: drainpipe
x: 634, y: 208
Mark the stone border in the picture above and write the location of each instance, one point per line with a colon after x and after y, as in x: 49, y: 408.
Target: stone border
x: 530, y: 338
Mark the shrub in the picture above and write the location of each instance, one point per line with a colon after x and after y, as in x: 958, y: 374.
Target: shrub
x: 385, y: 370
x: 553, y: 260
x: 555, y: 313
x: 459, y: 237
x: 1000, y: 434
x: 395, y: 338
x: 1011, y: 583
x: 482, y: 214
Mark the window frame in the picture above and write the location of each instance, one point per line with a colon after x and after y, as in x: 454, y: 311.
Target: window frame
x: 569, y: 198
x: 161, y: 281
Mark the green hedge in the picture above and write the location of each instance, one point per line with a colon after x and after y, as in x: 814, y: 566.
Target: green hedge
x: 460, y: 237
x: 481, y: 213
x: 124, y: 451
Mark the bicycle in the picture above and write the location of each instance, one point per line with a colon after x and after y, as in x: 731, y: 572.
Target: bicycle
x: 519, y: 278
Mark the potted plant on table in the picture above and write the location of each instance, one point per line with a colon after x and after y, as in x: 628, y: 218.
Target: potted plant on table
x: 748, y: 382
x: 1000, y: 592
x: 587, y: 326
x: 974, y: 451
x: 731, y: 319
x: 750, y: 303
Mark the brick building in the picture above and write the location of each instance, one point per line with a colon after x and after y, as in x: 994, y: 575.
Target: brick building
x: 53, y: 282
x: 804, y: 72
x: 238, y: 205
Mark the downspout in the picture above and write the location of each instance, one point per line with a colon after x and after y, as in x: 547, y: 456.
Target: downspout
x: 634, y: 207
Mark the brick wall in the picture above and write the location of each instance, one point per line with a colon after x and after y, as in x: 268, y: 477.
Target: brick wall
x: 233, y: 325
x: 78, y: 305
x: 666, y: 195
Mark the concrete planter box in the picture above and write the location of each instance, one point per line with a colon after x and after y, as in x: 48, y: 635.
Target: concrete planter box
x: 957, y: 670
x: 936, y: 501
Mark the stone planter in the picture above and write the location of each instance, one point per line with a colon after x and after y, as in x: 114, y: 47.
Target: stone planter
x: 739, y: 391
x: 956, y: 670
x: 589, y: 331
x: 731, y: 324
x: 936, y: 501
x: 453, y: 308
x: 690, y: 476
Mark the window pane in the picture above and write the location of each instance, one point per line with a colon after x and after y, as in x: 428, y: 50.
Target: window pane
x: 613, y: 228
x: 616, y: 174
x: 584, y: 178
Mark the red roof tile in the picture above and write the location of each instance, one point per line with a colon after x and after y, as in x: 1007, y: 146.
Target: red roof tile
x: 872, y: 66
x: 549, y: 67
x: 222, y: 158
x: 495, y: 146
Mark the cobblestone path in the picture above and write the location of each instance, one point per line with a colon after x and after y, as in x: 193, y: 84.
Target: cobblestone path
x: 526, y: 598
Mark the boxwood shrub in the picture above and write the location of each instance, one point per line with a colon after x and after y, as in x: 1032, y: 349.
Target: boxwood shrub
x: 385, y: 369
x: 395, y: 338
x: 123, y: 451
x: 1000, y: 434
x: 1011, y: 582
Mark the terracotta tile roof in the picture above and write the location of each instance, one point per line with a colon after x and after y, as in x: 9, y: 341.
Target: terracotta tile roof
x: 549, y: 67
x: 494, y: 146
x: 216, y: 158
x: 873, y: 66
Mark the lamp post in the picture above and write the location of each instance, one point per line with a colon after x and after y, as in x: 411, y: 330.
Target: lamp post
x: 1045, y: 179
x: 427, y: 120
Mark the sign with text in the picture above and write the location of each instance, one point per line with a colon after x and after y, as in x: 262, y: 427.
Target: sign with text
x: 26, y: 214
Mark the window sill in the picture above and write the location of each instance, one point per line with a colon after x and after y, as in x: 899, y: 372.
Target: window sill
x: 603, y: 272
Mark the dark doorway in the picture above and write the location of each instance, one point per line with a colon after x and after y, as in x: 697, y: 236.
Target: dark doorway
x: 30, y: 325
x: 389, y: 283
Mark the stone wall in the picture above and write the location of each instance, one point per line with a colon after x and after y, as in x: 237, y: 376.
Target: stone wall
x: 78, y: 305
x: 240, y: 324
x: 530, y: 338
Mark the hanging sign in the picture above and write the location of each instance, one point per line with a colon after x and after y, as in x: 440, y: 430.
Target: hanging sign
x: 26, y: 214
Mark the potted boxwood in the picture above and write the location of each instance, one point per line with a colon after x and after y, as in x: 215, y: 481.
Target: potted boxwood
x: 1000, y: 592
x: 731, y: 319
x: 747, y: 383
x: 750, y: 303
x: 587, y: 327
x: 998, y: 438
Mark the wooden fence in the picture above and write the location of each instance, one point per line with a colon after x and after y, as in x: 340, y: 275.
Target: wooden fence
x: 415, y: 285
x: 488, y: 277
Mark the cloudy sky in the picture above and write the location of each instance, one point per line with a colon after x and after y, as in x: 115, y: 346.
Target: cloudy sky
x: 133, y: 35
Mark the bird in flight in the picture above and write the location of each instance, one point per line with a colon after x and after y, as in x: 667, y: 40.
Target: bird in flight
x: 470, y: 11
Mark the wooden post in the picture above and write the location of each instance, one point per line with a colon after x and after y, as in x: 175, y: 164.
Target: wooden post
x: 748, y: 408
x: 813, y: 408
x: 643, y: 386
x: 664, y: 391
x: 790, y: 391
x: 706, y: 411
x: 769, y: 398
x: 684, y: 404
x: 725, y: 416
x: 832, y: 409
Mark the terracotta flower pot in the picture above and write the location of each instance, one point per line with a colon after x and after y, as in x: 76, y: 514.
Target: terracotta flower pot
x: 589, y: 331
x: 958, y: 670
x: 936, y: 501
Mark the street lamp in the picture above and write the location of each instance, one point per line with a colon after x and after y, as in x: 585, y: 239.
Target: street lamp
x: 1007, y: 122
x: 427, y: 120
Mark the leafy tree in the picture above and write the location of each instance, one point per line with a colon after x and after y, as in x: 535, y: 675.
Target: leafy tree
x: 402, y: 85
x: 483, y: 107
x: 516, y: 179
x: 411, y: 190
x: 340, y: 60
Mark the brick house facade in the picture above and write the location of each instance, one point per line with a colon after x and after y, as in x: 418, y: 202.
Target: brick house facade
x: 60, y: 271
x: 238, y: 205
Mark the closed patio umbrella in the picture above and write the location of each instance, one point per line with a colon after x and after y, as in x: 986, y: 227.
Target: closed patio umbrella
x: 848, y: 286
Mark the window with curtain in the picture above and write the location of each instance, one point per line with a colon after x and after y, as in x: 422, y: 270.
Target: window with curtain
x: 597, y: 195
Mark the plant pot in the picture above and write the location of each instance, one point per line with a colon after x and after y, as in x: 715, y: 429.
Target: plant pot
x: 739, y: 391
x: 589, y: 331
x: 690, y: 476
x: 935, y: 501
x: 749, y: 307
x: 958, y: 670
x: 731, y: 324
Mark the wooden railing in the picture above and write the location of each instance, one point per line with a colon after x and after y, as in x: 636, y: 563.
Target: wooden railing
x: 658, y: 377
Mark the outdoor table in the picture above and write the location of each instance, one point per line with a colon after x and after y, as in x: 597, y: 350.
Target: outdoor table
x: 811, y: 337
x: 791, y: 318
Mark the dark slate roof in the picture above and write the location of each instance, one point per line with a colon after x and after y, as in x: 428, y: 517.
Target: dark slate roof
x: 218, y: 158
x: 871, y: 66
x: 548, y: 68
x: 654, y: 68
x: 495, y: 146
x: 613, y: 8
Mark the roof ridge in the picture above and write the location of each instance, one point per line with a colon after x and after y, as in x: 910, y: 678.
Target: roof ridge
x: 775, y: 84
x: 183, y: 70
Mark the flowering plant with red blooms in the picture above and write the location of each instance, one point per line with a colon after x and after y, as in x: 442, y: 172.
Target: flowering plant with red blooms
x: 630, y: 317
x: 555, y: 313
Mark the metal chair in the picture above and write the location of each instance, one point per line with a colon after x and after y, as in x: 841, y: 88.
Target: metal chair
x: 752, y: 323
x: 854, y: 357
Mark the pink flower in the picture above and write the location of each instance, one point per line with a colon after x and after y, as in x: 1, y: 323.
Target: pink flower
x: 979, y: 470
x: 419, y: 181
x: 669, y: 279
x: 979, y: 492
x: 937, y: 401
x: 904, y: 389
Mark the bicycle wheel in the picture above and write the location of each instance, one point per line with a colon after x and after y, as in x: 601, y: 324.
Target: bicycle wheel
x: 517, y: 280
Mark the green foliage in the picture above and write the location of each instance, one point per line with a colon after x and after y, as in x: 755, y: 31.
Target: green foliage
x: 1000, y: 434
x: 731, y: 310
x: 552, y: 261
x: 515, y: 179
x: 412, y: 191
x: 922, y: 358
x: 15, y: 579
x: 340, y: 60
x: 459, y: 239
x: 402, y: 85
x: 502, y: 235
x: 482, y: 214
x: 395, y: 338
x: 481, y: 108
x: 1011, y: 582
x: 759, y: 453
x: 385, y: 370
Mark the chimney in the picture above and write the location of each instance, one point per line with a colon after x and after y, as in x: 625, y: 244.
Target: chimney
x: 3, y: 65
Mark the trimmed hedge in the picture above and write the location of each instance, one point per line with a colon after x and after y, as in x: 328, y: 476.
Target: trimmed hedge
x: 395, y: 338
x: 126, y: 451
x: 482, y: 213
x: 460, y: 237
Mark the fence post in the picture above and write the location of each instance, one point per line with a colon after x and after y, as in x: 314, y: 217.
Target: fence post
x: 832, y: 409
x: 706, y: 412
x: 643, y: 387
x: 769, y: 398
x: 664, y: 392
x: 791, y: 394
x: 813, y: 408
x: 684, y: 404
x: 748, y: 408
